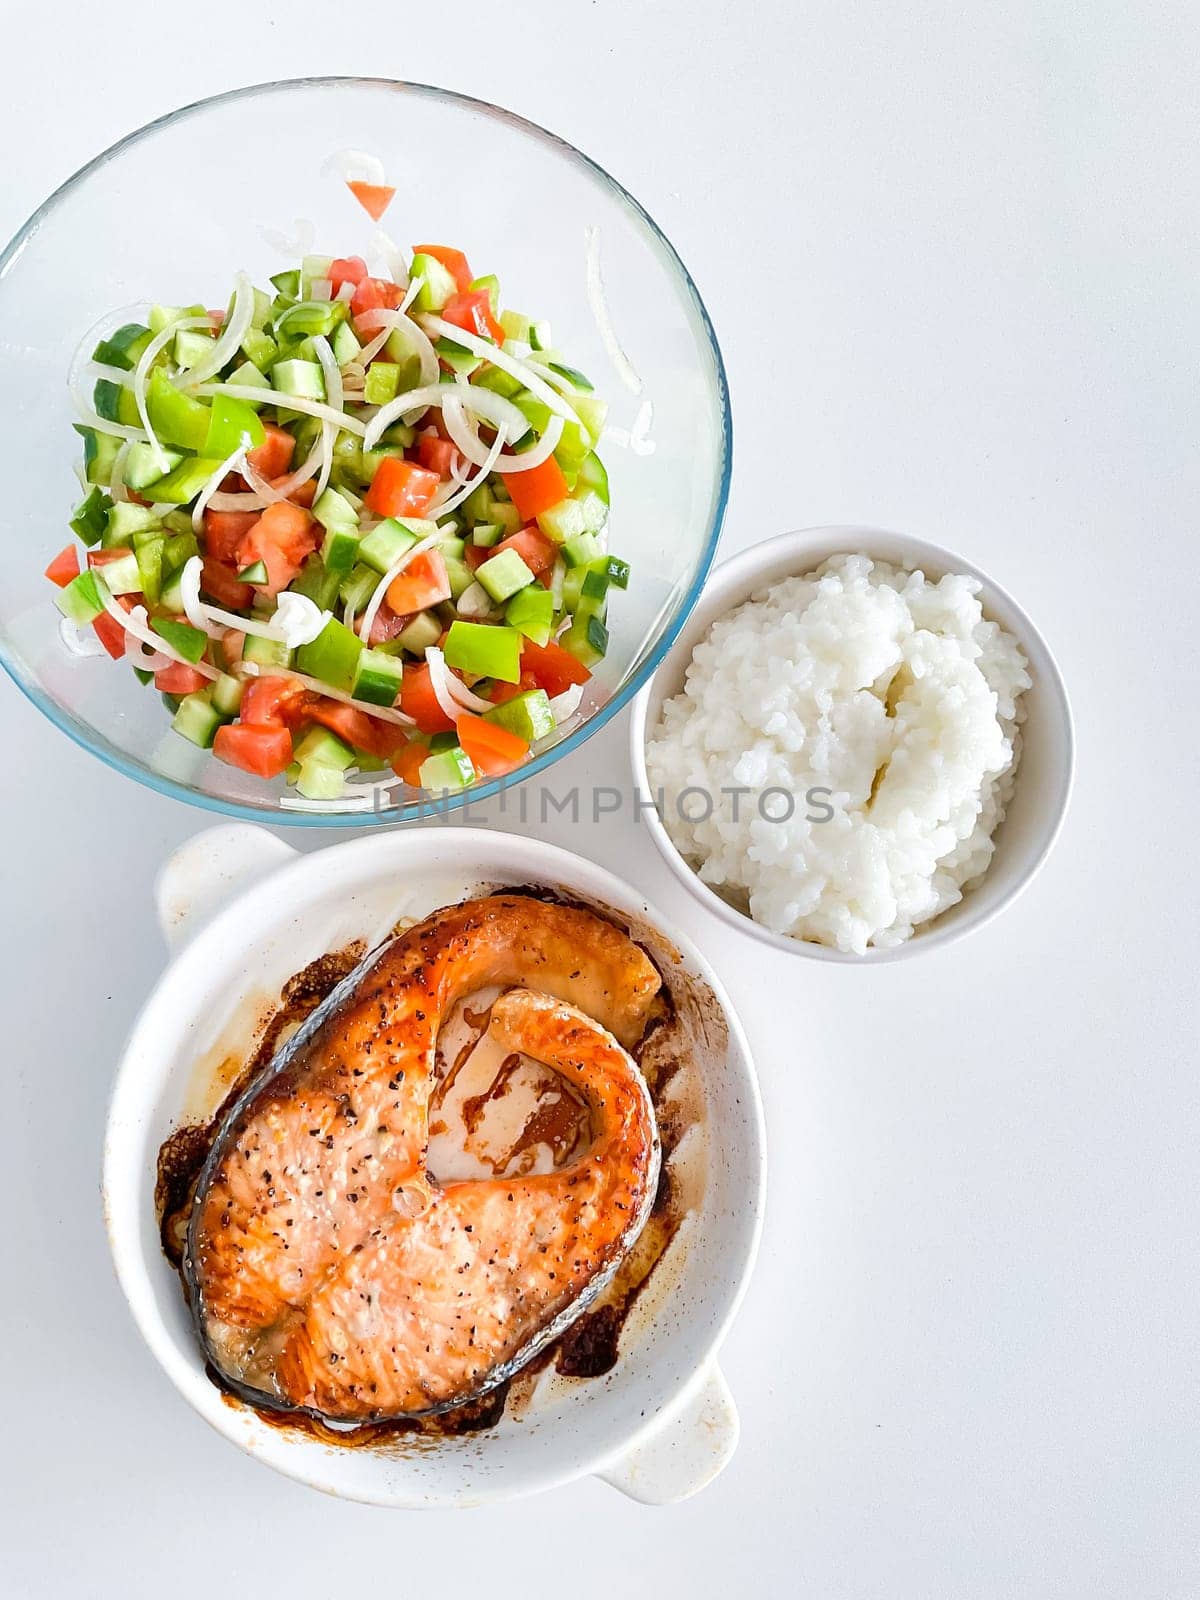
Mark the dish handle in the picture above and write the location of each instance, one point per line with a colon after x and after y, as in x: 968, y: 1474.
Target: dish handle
x: 207, y: 870
x: 685, y: 1452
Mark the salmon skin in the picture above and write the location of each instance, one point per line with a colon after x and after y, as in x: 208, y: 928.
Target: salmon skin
x: 329, y: 1272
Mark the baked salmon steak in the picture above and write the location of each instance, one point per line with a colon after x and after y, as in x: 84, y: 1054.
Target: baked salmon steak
x: 329, y: 1271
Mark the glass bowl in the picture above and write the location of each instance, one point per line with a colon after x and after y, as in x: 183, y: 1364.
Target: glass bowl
x: 173, y: 211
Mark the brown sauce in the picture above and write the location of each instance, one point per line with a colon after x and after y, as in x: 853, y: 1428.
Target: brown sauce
x: 591, y: 1346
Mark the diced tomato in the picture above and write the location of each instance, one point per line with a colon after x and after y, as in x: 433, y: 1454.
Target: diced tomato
x: 224, y: 532
x: 475, y: 555
x: 454, y: 262
x: 357, y: 728
x: 266, y: 752
x: 220, y: 582
x: 110, y: 634
x: 233, y: 642
x: 104, y: 558
x: 422, y: 584
x: 273, y: 457
x: 435, y: 454
x: 376, y: 294
x: 534, y: 548
x: 374, y: 198
x: 418, y: 701
x: 179, y: 678
x: 493, y: 750
x: 132, y: 494
x: 387, y: 624
x: 406, y: 763
x: 271, y: 701
x: 303, y: 495
x: 551, y: 667
x: 501, y: 691
x: 473, y: 314
x: 346, y: 269
x: 282, y: 539
x: 64, y: 567
x: 401, y: 489
x: 537, y: 488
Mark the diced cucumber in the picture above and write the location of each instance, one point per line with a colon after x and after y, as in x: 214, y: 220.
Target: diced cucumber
x: 80, y: 599
x: 528, y: 715
x: 344, y: 344
x: 447, y: 770
x: 502, y: 575
x: 515, y: 326
x: 618, y: 572
x: 458, y: 575
x: 176, y: 418
x: 475, y: 506
x: 321, y: 748
x: 402, y: 434
x: 489, y: 285
x: 181, y: 636
x: 382, y: 383
x: 438, y: 286
x: 485, y: 650
x: 163, y: 317
x: 357, y: 589
x: 122, y: 576
x: 487, y: 534
x: 452, y: 547
x: 339, y: 549
x: 379, y: 548
x: 333, y: 510
x: 422, y: 630
x: 197, y: 719
x: 317, y: 782
x: 115, y: 403
x: 496, y: 379
x: 581, y: 550
x: 505, y: 514
x: 124, y: 348
x: 585, y: 589
x: 266, y: 652
x: 144, y: 464
x: 142, y: 676
x: 287, y: 284
x: 185, y: 482
x: 571, y: 374
x: 563, y: 521
x: 304, y: 379
x: 594, y: 509
x: 181, y: 542
x: 593, y: 476
x: 540, y: 337
x: 99, y: 454
x: 190, y: 347
x: 91, y: 518
x: 172, y: 590
x: 531, y: 612
x: 586, y: 639
x: 592, y: 413
x: 125, y: 518
x: 251, y: 377
x: 456, y: 356
x: 332, y: 656
x: 377, y: 678
x: 227, y: 694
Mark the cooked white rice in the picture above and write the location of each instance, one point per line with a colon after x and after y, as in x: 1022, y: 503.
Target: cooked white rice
x: 894, y: 693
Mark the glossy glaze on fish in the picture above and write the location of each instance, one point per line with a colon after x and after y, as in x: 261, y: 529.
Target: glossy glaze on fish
x: 329, y: 1272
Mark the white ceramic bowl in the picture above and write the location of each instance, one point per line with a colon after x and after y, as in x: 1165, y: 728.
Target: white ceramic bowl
x: 1044, y: 776
x: 243, y: 912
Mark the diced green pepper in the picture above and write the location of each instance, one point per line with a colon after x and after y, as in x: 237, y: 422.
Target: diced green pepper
x: 176, y: 418
x: 182, y: 637
x: 185, y: 482
x: 232, y: 423
x: 485, y: 650
x: 531, y: 612
x: 332, y: 656
x: 259, y: 349
x: 256, y: 572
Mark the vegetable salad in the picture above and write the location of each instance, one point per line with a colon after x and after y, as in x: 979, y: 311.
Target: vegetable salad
x: 348, y: 524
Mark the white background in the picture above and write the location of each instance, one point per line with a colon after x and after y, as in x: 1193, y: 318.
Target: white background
x: 951, y: 251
